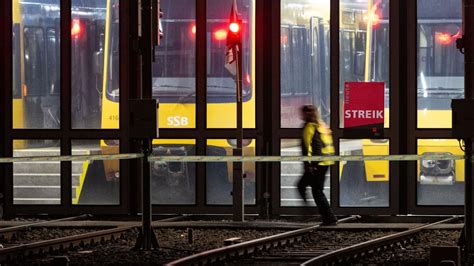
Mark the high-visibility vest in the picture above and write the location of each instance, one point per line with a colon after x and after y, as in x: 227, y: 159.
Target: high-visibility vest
x: 317, y: 140
x: 325, y: 134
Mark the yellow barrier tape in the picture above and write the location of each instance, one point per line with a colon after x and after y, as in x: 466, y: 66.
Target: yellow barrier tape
x: 128, y: 156
x: 400, y: 157
x: 73, y: 158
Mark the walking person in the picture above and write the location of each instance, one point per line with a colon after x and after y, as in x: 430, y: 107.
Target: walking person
x: 316, y: 140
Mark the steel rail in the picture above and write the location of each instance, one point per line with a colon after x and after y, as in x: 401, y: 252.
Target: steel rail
x: 214, y: 255
x: 352, y: 252
x: 7, y: 254
x: 16, y: 228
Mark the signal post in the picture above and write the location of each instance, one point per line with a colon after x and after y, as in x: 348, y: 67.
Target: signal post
x: 468, y: 28
x: 234, y: 59
x: 463, y: 125
x: 143, y: 112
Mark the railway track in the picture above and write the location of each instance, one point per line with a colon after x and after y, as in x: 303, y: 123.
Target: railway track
x: 10, y: 253
x: 283, y: 248
x: 354, y: 252
x: 12, y: 231
x: 249, y: 247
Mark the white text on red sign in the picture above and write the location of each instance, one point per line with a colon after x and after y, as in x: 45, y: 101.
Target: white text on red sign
x: 363, y: 114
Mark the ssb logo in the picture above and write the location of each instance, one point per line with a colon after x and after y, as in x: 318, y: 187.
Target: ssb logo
x: 177, y: 121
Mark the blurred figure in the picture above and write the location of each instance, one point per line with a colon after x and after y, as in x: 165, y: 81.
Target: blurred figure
x: 316, y: 140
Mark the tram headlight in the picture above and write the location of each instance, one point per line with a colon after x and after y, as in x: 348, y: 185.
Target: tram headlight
x: 437, y: 167
x: 173, y: 173
x: 428, y: 163
x: 233, y: 142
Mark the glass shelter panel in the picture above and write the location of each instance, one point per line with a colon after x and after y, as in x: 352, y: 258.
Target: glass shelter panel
x: 440, y: 64
x: 95, y: 182
x: 440, y: 182
x: 219, y: 175
x: 174, y: 68
x: 364, y: 47
x: 364, y: 183
x: 304, y: 55
x: 95, y: 64
x: 36, y: 182
x: 221, y: 75
x: 291, y: 173
x: 36, y: 52
x: 173, y: 182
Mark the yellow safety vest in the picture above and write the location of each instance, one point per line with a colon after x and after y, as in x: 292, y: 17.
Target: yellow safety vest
x: 325, y: 135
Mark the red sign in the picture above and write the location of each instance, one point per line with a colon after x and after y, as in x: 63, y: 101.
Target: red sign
x: 363, y: 104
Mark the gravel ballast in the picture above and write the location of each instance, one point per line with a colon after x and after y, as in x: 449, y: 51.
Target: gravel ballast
x: 174, y: 244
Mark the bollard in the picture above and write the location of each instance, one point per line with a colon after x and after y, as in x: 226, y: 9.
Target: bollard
x: 190, y: 235
x: 61, y: 261
x: 445, y: 255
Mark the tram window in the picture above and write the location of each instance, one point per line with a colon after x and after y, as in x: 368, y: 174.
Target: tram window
x: 16, y: 61
x: 447, y: 61
x: 360, y: 41
x: 52, y: 61
x: 34, y: 59
x: 302, y: 64
x: 175, y: 56
x: 113, y: 85
x: 383, y: 57
x: 217, y: 47
x: 346, y: 52
x: 286, y: 62
x: 359, y: 63
x: 359, y: 54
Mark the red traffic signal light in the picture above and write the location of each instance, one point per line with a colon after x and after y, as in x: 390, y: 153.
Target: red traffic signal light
x: 234, y: 36
x: 234, y: 27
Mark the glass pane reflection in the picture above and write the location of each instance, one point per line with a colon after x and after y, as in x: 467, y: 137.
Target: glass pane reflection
x: 219, y: 175
x: 440, y: 182
x: 290, y: 174
x: 364, y: 183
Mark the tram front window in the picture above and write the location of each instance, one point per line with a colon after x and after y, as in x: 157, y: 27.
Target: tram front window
x: 174, y: 69
x: 221, y: 76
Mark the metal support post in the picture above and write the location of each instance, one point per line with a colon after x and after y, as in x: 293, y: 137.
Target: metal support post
x: 468, y: 207
x: 468, y: 28
x: 238, y: 186
x: 147, y: 239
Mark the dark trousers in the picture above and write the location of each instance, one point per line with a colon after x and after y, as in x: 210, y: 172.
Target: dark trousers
x: 315, y: 179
